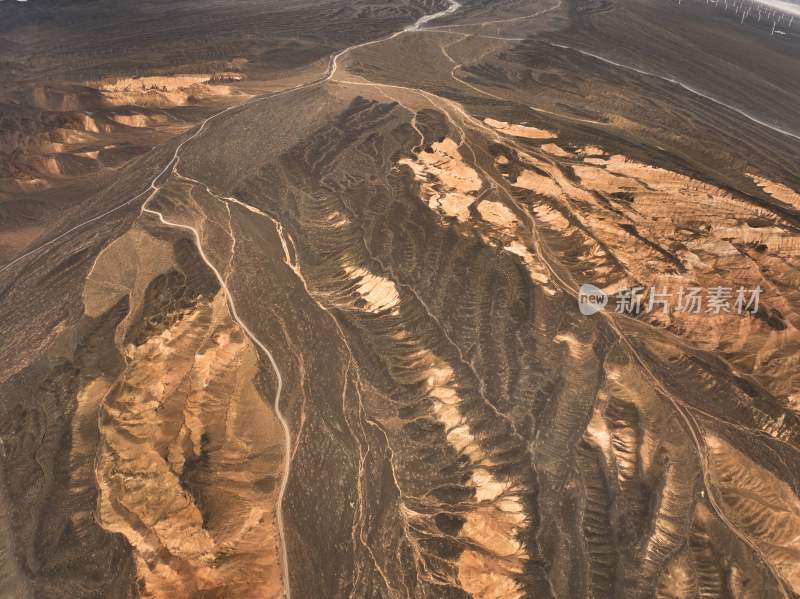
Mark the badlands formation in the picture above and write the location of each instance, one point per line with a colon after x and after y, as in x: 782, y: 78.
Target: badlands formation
x: 289, y: 300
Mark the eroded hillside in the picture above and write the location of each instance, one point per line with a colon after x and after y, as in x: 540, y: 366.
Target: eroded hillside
x: 329, y: 343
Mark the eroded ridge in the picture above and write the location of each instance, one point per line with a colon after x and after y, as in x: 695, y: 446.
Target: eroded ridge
x: 188, y: 455
x: 573, y: 237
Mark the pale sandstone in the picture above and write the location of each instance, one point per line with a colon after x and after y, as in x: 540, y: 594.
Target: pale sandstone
x: 555, y: 150
x: 444, y: 167
x: 777, y: 190
x: 185, y: 393
x: 497, y: 214
x: 520, y: 130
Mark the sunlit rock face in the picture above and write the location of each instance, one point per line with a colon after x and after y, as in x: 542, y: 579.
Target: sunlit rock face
x: 618, y: 424
x: 188, y: 461
x: 187, y: 456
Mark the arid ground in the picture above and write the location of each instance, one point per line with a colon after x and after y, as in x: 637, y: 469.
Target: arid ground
x: 289, y: 299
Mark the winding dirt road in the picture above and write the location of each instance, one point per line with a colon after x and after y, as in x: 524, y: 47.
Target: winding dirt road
x: 154, y: 187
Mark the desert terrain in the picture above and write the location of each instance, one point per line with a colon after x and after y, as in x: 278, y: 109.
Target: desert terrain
x: 290, y: 300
